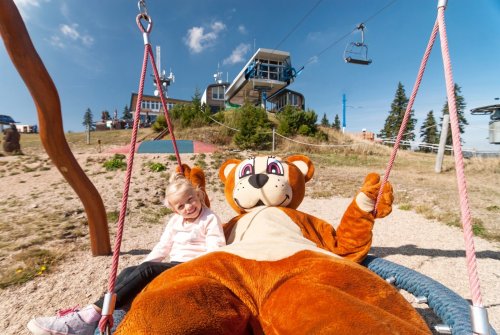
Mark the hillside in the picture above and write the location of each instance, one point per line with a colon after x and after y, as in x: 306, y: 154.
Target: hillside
x: 44, y: 241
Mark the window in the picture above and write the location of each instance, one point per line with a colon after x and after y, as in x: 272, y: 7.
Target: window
x: 218, y: 93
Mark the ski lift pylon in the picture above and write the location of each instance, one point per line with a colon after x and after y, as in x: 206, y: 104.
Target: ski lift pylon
x: 357, y: 52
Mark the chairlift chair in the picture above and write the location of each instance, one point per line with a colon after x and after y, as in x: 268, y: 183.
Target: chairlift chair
x: 357, y: 52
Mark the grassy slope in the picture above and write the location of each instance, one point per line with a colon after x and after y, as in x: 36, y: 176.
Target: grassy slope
x: 338, y: 168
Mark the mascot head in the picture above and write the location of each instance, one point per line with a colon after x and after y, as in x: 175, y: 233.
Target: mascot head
x: 265, y: 181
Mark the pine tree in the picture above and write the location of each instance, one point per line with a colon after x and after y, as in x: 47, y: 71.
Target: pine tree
x: 462, y: 121
x: 254, y: 126
x: 105, y: 115
x: 324, y: 121
x: 396, y: 116
x: 336, y: 122
x: 88, y: 119
x: 429, y: 131
x: 126, y: 113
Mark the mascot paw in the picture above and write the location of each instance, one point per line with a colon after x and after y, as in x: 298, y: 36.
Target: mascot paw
x: 368, y: 195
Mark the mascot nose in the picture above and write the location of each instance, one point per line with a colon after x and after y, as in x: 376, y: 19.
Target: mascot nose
x: 258, y: 180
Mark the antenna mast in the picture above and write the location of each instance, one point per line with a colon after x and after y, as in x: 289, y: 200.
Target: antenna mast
x: 164, y: 80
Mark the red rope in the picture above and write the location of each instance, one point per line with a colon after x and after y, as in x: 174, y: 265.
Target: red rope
x: 440, y: 26
x: 164, y: 104
x: 470, y: 251
x: 408, y: 111
x: 107, y: 321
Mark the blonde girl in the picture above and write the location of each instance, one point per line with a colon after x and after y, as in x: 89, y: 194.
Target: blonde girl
x: 193, y: 230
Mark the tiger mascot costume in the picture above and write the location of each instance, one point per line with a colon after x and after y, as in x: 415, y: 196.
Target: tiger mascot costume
x: 283, y: 271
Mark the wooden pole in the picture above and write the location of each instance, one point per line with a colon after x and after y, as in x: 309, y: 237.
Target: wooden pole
x: 274, y: 134
x: 87, y: 132
x: 44, y: 93
x: 442, y: 143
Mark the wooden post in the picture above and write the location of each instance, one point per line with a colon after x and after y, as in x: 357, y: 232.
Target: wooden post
x: 44, y: 93
x: 87, y: 132
x: 442, y: 143
x: 274, y: 131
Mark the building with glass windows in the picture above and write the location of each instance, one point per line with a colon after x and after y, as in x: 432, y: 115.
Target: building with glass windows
x: 151, y: 107
x: 262, y: 80
x: 213, y: 96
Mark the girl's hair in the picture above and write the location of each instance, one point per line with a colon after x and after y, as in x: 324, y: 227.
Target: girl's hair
x: 178, y: 184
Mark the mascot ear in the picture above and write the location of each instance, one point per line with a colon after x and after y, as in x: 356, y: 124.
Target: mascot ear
x: 226, y: 168
x: 304, y: 164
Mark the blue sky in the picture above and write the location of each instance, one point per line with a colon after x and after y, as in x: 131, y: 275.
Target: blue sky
x: 93, y: 51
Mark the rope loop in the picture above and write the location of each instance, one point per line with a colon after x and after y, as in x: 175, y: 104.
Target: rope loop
x: 147, y: 18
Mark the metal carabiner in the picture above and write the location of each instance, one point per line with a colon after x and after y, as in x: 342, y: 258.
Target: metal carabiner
x: 141, y: 4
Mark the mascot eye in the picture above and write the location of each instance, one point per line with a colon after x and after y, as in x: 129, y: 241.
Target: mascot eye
x: 246, y: 170
x: 274, y: 166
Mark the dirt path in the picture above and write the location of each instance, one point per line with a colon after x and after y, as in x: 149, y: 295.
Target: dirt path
x: 40, y: 197
x: 404, y: 237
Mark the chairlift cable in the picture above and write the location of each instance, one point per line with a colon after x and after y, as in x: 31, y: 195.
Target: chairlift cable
x: 313, y: 58
x: 297, y: 25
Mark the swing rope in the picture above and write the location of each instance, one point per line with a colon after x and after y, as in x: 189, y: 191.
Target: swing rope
x: 479, y: 314
x: 106, y: 321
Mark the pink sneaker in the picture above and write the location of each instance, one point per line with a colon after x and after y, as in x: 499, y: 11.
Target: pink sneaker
x: 67, y: 322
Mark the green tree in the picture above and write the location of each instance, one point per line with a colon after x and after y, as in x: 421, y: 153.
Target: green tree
x: 336, y: 123
x: 126, y: 113
x: 88, y: 119
x: 105, y: 115
x: 462, y: 121
x: 396, y: 116
x: 191, y: 115
x: 324, y: 121
x: 293, y: 121
x: 160, y: 123
x: 429, y: 131
x: 254, y: 128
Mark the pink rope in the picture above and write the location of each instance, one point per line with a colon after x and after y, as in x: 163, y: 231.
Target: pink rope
x: 407, y: 112
x: 459, y: 166
x: 107, y: 320
x: 164, y: 104
x: 440, y: 26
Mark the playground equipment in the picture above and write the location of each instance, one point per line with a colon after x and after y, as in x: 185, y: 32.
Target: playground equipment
x: 44, y: 93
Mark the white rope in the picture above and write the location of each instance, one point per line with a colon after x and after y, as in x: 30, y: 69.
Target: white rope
x: 320, y: 145
x: 304, y: 143
x: 222, y: 124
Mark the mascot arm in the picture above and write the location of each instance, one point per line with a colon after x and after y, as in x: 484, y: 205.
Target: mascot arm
x: 353, y: 237
x: 197, y: 177
x: 354, y: 234
x: 352, y: 240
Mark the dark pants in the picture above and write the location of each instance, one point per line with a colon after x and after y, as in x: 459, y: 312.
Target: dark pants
x: 133, y: 279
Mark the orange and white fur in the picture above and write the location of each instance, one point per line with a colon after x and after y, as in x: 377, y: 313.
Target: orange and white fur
x: 283, y: 271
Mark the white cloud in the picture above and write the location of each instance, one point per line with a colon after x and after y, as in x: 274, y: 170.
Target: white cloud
x: 313, y: 60
x: 218, y: 26
x: 242, y: 29
x: 71, y: 32
x: 56, y: 41
x: 25, y: 6
x: 198, y: 40
x: 238, y: 54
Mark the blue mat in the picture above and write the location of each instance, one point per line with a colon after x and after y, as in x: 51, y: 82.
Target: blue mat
x: 165, y: 147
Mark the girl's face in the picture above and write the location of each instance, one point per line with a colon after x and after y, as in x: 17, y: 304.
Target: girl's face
x: 186, y: 204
